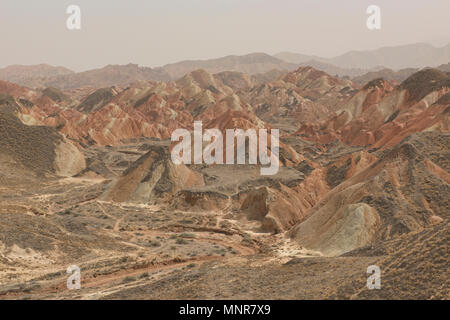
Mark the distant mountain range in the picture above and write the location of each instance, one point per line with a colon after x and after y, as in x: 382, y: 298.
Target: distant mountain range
x: 399, y: 57
x: 20, y: 73
x: 32, y: 76
x: 107, y: 76
x: 360, y: 65
x: 250, y: 64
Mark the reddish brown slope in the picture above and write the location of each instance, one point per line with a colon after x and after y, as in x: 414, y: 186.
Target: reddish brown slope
x: 380, y: 116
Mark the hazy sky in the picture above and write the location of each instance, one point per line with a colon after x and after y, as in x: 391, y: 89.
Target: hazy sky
x: 156, y: 32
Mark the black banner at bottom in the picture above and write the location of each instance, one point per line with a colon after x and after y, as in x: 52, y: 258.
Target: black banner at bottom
x: 208, y: 309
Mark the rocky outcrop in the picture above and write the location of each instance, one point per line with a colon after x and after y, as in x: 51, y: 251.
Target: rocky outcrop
x: 97, y: 100
x: 277, y: 210
x: 42, y: 150
x: 404, y: 187
x: 153, y: 177
x: 304, y: 95
x: 200, y: 200
x: 334, y: 233
x: 381, y: 116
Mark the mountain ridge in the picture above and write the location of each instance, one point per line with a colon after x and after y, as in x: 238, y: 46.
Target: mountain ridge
x: 416, y: 55
x: 368, y: 65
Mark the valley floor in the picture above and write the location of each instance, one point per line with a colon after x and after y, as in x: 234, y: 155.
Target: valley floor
x: 135, y: 251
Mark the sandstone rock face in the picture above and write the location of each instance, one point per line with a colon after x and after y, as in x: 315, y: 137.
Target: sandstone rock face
x: 382, y: 116
x: 277, y: 210
x: 436, y: 220
x: 335, y: 233
x: 304, y: 95
x: 201, y: 201
x: 404, y: 190
x: 39, y: 149
x: 319, y: 86
x: 111, y: 115
x: 151, y: 178
x: 69, y: 161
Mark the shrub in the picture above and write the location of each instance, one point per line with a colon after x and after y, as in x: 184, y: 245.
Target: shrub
x: 128, y: 279
x: 188, y: 235
x: 181, y: 241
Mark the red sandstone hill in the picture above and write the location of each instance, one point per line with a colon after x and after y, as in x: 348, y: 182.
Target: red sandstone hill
x: 380, y: 115
x: 40, y: 150
x: 374, y: 199
x: 306, y: 95
x: 150, y: 109
x: 377, y: 114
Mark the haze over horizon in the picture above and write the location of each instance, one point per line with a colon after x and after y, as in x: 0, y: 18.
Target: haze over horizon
x: 157, y: 33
